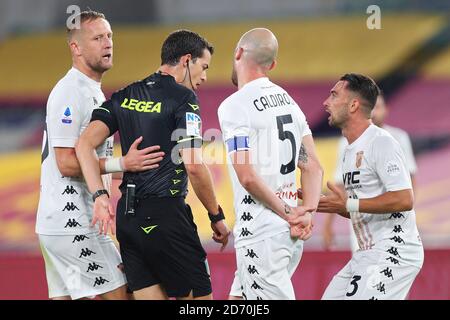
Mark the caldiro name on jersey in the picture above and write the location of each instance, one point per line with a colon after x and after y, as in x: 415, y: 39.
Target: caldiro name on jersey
x: 141, y: 106
x: 272, y: 101
x: 67, y: 118
x: 351, y: 180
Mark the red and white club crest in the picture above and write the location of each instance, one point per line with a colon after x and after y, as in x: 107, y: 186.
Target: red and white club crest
x: 359, y: 157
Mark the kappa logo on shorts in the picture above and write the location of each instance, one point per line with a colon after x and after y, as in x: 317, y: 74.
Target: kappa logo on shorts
x: 86, y: 252
x: 245, y: 233
x: 380, y: 287
x: 248, y: 200
x: 396, y: 215
x: 70, y: 190
x: 393, y: 260
x: 148, y: 229
x: 256, y: 286
x: 70, y: 206
x: 393, y: 251
x: 251, y: 254
x: 397, y: 239
x: 388, y: 273
x: 93, y: 267
x: 79, y: 238
x: 398, y: 229
x: 246, y: 216
x: 72, y: 223
x: 99, y: 281
x: 252, y: 269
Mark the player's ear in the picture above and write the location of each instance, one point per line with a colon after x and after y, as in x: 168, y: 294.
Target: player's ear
x: 354, y: 105
x: 273, y: 65
x: 238, y: 53
x: 74, y: 47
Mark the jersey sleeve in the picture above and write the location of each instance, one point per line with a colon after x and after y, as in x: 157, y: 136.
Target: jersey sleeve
x: 235, y: 126
x: 65, y: 116
x: 305, y: 130
x: 340, y: 160
x: 405, y: 143
x: 188, y: 123
x: 390, y: 164
x: 106, y: 113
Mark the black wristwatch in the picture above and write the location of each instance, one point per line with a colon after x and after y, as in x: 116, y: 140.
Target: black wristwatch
x: 98, y: 193
x: 216, y: 217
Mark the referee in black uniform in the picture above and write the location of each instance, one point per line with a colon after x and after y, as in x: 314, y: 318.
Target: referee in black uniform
x: 159, y: 243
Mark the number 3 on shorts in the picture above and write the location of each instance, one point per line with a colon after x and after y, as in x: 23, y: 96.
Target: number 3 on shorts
x: 355, y: 286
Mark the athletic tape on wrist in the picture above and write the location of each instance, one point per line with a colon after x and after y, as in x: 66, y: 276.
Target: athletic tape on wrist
x: 113, y: 165
x: 352, y: 205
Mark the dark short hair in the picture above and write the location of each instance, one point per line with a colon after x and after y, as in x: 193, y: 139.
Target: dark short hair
x: 364, y: 86
x: 84, y: 16
x: 182, y: 42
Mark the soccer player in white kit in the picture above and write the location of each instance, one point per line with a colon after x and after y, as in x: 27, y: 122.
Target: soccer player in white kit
x: 80, y: 262
x: 379, y: 113
x: 267, y: 137
x: 378, y: 199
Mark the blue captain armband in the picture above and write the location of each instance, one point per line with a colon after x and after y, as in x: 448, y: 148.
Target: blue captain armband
x: 237, y: 144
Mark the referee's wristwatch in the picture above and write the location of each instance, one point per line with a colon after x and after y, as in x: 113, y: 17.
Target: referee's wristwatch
x: 98, y: 193
x: 216, y: 217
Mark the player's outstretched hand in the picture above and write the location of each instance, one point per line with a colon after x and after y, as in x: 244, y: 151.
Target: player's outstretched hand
x: 221, y: 233
x: 141, y: 160
x: 334, y: 201
x: 104, y: 215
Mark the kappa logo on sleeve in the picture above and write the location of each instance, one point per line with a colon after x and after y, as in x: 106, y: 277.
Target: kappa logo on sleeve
x: 67, y: 119
x: 193, y: 124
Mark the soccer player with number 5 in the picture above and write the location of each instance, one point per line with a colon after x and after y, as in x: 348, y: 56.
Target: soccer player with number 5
x: 267, y: 137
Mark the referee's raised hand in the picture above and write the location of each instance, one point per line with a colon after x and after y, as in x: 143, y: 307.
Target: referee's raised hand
x: 141, y: 160
x: 104, y: 215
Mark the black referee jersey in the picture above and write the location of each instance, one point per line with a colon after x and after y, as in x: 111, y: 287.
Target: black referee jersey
x: 165, y: 113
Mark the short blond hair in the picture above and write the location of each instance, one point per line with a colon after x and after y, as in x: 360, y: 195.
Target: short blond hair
x: 84, y: 16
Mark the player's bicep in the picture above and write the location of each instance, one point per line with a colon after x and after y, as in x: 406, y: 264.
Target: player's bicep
x: 307, y: 155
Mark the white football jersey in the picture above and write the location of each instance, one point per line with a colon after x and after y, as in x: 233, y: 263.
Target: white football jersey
x: 65, y: 203
x: 262, y: 118
x: 373, y: 165
x: 398, y: 134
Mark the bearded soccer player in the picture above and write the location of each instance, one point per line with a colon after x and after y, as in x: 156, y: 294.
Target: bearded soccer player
x: 378, y: 198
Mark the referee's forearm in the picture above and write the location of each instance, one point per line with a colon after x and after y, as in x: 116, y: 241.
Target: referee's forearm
x: 202, y: 183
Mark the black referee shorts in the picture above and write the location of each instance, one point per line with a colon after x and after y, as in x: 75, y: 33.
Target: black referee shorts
x: 160, y: 245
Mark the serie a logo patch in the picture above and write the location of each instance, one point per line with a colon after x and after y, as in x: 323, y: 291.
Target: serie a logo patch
x: 67, y: 118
